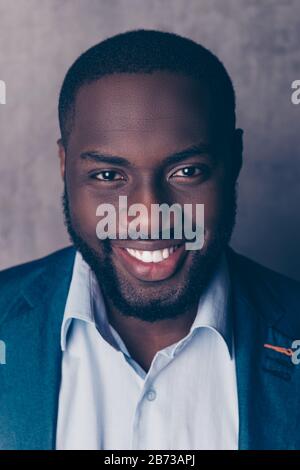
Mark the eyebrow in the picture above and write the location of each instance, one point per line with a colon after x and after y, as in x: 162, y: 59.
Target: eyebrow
x: 194, y: 150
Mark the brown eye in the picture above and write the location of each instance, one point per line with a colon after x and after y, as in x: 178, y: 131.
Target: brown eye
x: 188, y: 171
x: 108, y: 175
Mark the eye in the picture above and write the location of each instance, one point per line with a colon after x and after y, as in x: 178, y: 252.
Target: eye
x: 108, y: 175
x: 190, y: 172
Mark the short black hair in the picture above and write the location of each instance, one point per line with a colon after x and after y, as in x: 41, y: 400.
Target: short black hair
x: 146, y: 51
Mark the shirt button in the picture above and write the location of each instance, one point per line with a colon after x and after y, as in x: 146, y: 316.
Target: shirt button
x: 151, y: 395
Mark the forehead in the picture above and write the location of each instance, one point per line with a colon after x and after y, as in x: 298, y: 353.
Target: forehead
x: 141, y: 108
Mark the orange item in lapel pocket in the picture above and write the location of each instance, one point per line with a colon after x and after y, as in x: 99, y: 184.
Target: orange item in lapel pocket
x: 286, y: 351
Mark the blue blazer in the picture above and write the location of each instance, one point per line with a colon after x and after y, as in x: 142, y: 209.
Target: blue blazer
x: 266, y: 308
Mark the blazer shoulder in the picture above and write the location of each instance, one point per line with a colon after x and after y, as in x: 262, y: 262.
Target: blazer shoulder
x: 267, y: 289
x: 258, y: 273
x: 16, y: 278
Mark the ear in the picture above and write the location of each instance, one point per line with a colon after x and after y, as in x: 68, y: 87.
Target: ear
x: 62, y: 158
x: 237, y: 152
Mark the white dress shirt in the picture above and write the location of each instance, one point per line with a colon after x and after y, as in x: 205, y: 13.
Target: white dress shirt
x: 188, y: 398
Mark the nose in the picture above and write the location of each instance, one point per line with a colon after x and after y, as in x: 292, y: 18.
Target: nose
x: 142, y: 215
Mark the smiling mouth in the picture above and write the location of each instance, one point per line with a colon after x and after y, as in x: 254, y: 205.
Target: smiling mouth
x: 153, y: 256
x: 151, y: 265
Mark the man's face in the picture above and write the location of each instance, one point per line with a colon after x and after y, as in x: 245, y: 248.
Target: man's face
x: 146, y: 119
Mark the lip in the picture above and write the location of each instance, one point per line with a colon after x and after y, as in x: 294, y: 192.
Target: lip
x: 150, y: 271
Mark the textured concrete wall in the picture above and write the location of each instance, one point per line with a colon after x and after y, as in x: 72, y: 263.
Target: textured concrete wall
x: 259, y: 42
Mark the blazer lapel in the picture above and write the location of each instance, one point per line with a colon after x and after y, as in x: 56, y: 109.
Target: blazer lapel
x: 30, y: 378
x: 267, y: 380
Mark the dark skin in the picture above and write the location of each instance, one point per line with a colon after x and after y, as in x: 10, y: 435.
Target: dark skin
x: 146, y: 119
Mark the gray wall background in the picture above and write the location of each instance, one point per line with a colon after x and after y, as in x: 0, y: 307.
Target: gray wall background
x: 259, y: 42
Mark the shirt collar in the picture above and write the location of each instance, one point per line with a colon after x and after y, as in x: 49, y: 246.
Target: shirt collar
x: 85, y: 297
x: 213, y: 308
x: 79, y: 300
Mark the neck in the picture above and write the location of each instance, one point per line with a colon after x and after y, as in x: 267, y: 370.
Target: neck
x: 144, y: 339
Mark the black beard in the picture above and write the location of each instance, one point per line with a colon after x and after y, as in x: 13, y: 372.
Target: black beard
x: 130, y: 302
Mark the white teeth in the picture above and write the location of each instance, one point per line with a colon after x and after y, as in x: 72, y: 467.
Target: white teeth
x: 147, y: 256
x: 155, y: 256
x: 137, y: 254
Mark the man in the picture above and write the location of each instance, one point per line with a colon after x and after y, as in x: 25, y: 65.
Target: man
x: 139, y: 343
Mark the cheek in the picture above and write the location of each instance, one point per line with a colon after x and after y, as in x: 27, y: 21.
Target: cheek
x: 83, y: 206
x: 213, y: 209
x: 84, y: 202
x: 215, y: 201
